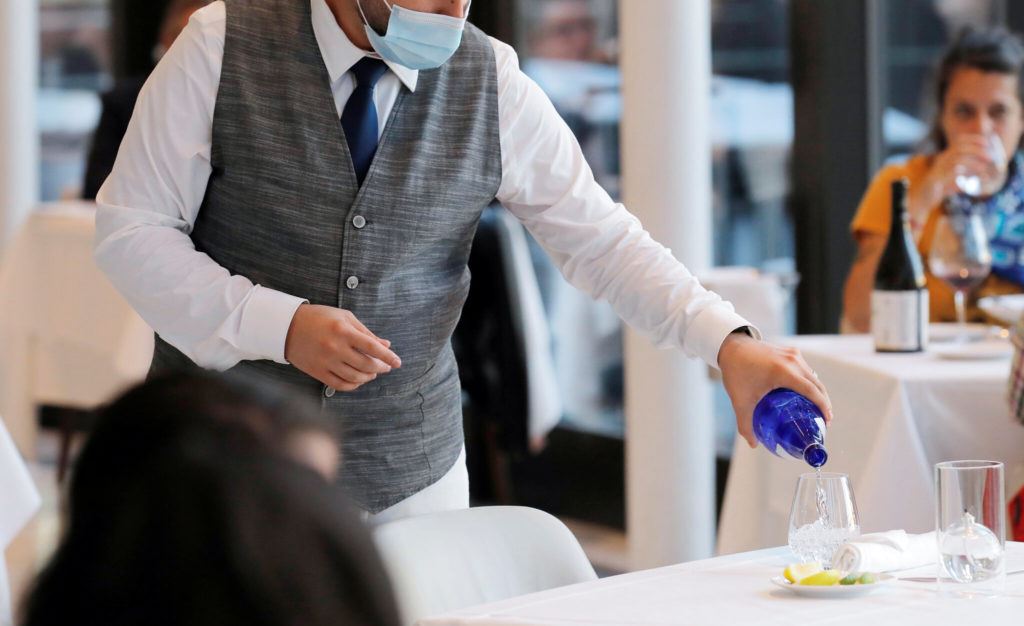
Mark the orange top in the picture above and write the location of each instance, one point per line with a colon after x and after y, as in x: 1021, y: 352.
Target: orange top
x: 875, y: 214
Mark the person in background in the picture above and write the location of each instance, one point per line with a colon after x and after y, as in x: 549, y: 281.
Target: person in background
x: 567, y: 30
x: 188, y: 507
x: 978, y: 93
x: 119, y: 102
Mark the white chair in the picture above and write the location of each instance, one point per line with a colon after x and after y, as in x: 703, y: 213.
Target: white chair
x: 447, y: 561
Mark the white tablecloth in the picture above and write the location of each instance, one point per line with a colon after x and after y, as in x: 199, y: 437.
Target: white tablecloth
x: 757, y: 296
x: 736, y: 590
x: 19, y: 501
x: 895, y: 417
x: 68, y: 338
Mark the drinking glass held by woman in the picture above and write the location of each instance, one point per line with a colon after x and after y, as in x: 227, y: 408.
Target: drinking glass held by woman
x: 978, y: 105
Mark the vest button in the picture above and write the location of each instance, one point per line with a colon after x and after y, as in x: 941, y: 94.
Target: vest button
x: 359, y: 221
x: 352, y: 282
x: 329, y: 392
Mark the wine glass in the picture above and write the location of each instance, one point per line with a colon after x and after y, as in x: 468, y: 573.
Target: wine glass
x: 823, y: 518
x: 960, y: 256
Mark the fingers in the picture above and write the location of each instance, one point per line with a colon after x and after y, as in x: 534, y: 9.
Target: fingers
x: 811, y: 376
x: 360, y: 326
x: 352, y: 375
x: 360, y: 362
x: 811, y: 389
x: 372, y: 348
x: 334, y: 381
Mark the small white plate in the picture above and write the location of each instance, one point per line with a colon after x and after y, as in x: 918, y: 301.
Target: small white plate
x: 833, y: 591
x: 944, y: 331
x: 974, y: 351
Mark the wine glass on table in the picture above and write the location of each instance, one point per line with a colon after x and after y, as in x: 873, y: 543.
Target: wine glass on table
x: 823, y: 516
x: 960, y: 253
x: 960, y: 256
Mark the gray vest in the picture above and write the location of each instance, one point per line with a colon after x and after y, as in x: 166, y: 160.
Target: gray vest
x: 280, y: 210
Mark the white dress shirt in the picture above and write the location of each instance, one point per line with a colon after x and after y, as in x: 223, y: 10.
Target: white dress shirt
x: 150, y: 202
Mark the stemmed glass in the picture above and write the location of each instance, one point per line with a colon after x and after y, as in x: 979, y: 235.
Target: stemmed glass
x: 960, y: 256
x: 959, y: 252
x: 823, y: 518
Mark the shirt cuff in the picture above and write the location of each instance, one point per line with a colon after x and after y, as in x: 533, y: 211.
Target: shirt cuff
x: 709, y: 330
x: 265, y: 323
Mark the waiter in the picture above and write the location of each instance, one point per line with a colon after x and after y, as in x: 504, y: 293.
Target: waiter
x: 296, y: 197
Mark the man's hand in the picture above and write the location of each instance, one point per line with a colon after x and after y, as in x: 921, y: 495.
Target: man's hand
x: 751, y: 369
x: 332, y: 346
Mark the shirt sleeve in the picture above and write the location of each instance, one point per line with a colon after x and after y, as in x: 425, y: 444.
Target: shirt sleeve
x: 147, y: 208
x: 599, y: 246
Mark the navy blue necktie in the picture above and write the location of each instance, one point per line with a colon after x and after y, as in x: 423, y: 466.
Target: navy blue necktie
x: 359, y: 119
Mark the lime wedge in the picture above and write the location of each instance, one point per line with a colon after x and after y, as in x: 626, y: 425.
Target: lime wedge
x: 795, y: 572
x: 823, y: 579
x: 867, y: 579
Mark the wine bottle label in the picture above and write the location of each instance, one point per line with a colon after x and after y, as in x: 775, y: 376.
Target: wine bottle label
x: 899, y: 320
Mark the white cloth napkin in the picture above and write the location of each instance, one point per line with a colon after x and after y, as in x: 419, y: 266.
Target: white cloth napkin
x: 886, y: 552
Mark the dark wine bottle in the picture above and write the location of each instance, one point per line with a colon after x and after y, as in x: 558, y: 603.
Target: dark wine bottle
x: 899, y: 302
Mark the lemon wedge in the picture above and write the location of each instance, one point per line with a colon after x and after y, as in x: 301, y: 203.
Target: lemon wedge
x: 826, y: 578
x: 796, y: 572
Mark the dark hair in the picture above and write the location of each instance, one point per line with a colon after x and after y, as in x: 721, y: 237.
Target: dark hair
x: 151, y: 415
x: 988, y: 50
x: 183, y: 510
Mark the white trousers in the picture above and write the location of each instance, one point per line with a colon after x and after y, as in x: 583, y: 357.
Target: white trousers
x: 449, y: 493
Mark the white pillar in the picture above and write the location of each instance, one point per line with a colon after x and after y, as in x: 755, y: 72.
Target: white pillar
x: 666, y: 165
x: 19, y: 136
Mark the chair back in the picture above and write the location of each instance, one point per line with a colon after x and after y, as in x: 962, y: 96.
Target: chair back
x: 451, y: 560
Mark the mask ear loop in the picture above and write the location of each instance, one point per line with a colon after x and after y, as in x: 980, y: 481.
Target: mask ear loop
x: 359, y: 5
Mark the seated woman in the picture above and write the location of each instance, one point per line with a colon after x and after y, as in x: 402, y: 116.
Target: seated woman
x: 979, y: 95
x: 194, y: 502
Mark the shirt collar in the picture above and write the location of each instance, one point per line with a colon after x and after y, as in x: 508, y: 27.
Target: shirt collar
x: 340, y: 54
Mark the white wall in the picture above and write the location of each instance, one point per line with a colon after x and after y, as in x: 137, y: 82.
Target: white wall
x: 19, y: 138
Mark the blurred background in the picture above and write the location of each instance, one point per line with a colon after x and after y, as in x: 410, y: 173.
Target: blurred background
x: 808, y: 99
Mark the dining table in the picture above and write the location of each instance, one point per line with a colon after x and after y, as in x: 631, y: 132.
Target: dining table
x: 895, y: 417
x: 737, y: 589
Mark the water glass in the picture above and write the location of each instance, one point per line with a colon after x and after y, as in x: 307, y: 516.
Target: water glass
x: 975, y: 184
x: 824, y: 516
x: 970, y: 520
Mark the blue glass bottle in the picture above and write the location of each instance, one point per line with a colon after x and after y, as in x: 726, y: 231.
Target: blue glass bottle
x: 786, y: 419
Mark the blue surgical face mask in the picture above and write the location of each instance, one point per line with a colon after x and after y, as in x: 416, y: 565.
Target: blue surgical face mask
x: 417, y: 40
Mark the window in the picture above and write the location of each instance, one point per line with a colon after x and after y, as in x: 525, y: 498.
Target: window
x: 570, y: 48
x: 917, y: 32
x: 74, y: 68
